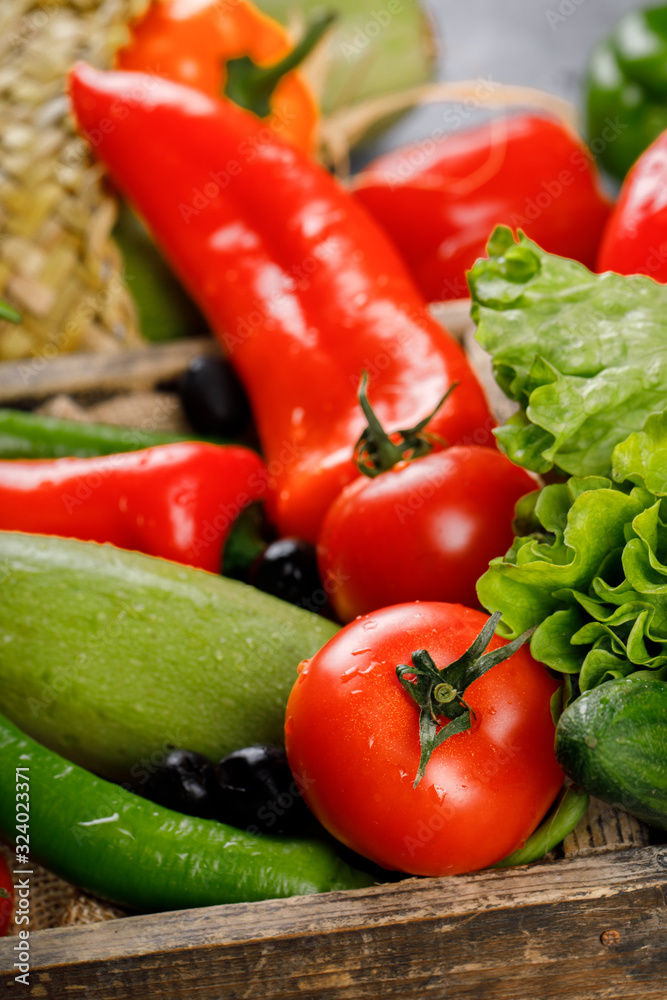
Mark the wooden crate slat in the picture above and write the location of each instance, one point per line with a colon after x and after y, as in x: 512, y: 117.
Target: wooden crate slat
x: 143, y: 368
x: 501, y: 935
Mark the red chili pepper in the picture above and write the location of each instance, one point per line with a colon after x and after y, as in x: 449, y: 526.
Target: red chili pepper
x: 178, y: 501
x: 440, y: 200
x: 635, y: 237
x: 299, y: 284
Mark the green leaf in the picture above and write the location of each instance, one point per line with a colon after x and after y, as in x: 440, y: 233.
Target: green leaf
x: 591, y: 570
x: 9, y: 314
x: 642, y: 457
x: 584, y: 355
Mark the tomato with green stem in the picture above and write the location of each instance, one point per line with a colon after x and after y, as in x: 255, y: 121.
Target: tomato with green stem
x: 418, y: 524
x: 418, y: 749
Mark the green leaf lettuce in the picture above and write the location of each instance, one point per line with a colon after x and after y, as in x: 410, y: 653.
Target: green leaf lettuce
x: 589, y: 567
x: 584, y: 355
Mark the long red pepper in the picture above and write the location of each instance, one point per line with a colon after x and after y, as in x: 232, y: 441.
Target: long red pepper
x: 178, y: 501
x: 300, y: 285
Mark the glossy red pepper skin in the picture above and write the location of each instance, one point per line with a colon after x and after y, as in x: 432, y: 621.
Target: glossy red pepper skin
x: 302, y: 288
x: 635, y: 237
x: 177, y: 501
x: 439, y: 201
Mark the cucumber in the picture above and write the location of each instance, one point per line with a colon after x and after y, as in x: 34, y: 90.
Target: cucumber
x: 109, y: 657
x: 612, y: 741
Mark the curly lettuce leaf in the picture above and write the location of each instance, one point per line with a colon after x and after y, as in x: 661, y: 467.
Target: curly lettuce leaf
x: 584, y: 355
x: 590, y: 568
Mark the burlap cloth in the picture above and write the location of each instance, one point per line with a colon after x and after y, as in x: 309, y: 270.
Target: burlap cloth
x: 56, y: 903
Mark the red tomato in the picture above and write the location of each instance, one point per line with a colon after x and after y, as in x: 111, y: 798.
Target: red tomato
x: 424, y: 530
x: 6, y: 905
x: 635, y: 237
x: 352, y: 738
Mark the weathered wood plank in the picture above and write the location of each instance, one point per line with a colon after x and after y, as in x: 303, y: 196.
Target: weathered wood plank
x: 39, y: 378
x: 604, y: 828
x: 143, y: 368
x: 582, y: 929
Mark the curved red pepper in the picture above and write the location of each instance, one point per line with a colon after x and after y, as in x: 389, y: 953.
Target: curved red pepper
x: 302, y: 288
x: 635, y: 237
x: 440, y: 200
x: 177, y: 501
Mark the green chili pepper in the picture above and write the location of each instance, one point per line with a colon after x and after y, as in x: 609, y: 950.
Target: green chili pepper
x: 626, y: 90
x: 570, y: 809
x: 142, y: 856
x: 31, y: 435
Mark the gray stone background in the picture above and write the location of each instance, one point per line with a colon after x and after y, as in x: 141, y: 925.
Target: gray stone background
x: 537, y: 43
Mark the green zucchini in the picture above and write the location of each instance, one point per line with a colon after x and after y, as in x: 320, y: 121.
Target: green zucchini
x: 612, y: 741
x: 108, y: 657
x: 140, y: 855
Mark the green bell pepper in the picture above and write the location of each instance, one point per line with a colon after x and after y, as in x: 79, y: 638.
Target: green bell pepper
x: 626, y: 89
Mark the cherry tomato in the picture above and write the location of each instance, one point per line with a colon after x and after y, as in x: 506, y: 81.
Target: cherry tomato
x: 6, y: 905
x: 424, y: 530
x: 352, y: 740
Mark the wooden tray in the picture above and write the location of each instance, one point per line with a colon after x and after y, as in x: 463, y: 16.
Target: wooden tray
x: 589, y: 923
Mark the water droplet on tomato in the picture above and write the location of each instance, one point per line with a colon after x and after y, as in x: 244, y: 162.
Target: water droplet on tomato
x: 368, y: 669
x: 349, y: 674
x: 358, y: 652
x: 289, y: 725
x: 369, y: 624
x: 303, y: 667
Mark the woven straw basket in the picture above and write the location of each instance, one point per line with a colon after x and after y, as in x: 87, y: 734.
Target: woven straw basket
x: 58, y: 265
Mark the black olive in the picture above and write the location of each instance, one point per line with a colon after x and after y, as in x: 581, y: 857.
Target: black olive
x: 214, y: 400
x: 258, y: 793
x: 288, y: 570
x: 184, y: 781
